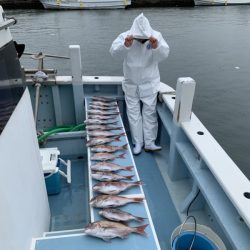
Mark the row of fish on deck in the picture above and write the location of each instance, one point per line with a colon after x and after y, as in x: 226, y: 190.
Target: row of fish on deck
x: 102, y: 119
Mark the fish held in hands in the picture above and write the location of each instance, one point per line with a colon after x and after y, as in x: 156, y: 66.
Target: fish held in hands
x: 107, y: 230
x: 114, y: 187
x: 108, y: 148
x: 115, y: 214
x: 101, y: 140
x: 109, y: 176
x: 106, y: 156
x: 109, y: 167
x: 106, y: 201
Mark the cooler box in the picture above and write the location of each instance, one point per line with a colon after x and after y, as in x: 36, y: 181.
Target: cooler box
x: 50, y: 164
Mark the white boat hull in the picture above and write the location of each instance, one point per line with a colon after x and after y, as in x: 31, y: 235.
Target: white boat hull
x: 85, y: 4
x: 220, y: 2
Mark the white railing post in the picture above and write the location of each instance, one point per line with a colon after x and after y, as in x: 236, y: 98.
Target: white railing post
x: 78, y: 92
x: 182, y: 113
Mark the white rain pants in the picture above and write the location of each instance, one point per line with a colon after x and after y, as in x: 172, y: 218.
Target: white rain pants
x: 143, y: 125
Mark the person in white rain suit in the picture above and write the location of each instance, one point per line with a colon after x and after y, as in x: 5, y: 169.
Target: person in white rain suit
x: 142, y: 48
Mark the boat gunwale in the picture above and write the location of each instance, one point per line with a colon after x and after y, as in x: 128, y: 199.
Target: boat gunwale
x: 213, y: 162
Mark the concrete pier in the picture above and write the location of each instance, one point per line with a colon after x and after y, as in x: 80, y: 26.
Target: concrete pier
x: 35, y: 4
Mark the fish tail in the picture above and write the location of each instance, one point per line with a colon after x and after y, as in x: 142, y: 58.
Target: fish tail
x: 140, y: 229
x: 117, y: 138
x: 137, y: 183
x: 129, y: 168
x: 130, y: 177
x: 122, y: 156
x: 139, y: 219
x: 137, y: 199
x: 124, y: 146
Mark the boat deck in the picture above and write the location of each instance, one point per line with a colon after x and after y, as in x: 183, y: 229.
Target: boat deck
x: 71, y: 212
x: 70, y: 209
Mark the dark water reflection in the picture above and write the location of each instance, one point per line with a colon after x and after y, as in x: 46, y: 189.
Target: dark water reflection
x: 209, y: 44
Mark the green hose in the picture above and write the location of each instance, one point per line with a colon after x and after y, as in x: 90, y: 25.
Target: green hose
x: 63, y: 126
x: 59, y: 129
x: 78, y: 127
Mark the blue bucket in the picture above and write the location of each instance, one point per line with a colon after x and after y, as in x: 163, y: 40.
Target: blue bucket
x: 53, y: 181
x: 184, y: 240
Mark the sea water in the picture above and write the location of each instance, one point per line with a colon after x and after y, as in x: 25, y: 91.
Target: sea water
x: 209, y: 44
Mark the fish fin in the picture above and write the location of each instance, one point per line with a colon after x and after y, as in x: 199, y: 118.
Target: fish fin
x: 129, y: 168
x: 140, y: 229
x: 123, y: 236
x: 130, y: 177
x: 106, y: 239
x: 122, y: 156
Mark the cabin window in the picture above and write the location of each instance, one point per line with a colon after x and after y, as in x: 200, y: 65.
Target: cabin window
x: 11, y: 82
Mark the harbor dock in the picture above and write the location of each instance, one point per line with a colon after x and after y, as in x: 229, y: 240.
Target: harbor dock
x: 35, y: 4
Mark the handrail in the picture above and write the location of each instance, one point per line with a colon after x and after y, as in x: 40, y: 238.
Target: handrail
x: 7, y: 23
x: 217, y: 160
x: 86, y: 80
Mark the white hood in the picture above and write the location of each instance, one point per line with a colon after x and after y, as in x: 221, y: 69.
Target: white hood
x: 141, y: 27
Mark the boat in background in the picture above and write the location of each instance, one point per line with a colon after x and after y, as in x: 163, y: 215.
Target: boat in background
x: 85, y: 4
x: 46, y: 188
x: 220, y: 2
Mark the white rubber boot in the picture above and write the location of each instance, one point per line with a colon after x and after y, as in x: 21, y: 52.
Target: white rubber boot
x: 137, y: 149
x: 152, y: 148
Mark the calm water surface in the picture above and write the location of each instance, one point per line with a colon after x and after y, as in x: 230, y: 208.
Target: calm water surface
x: 209, y: 44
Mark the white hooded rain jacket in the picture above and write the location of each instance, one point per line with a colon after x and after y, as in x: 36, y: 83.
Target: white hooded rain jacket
x: 140, y: 64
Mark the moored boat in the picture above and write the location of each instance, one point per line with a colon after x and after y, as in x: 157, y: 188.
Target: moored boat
x: 220, y: 2
x: 85, y: 4
x: 191, y: 176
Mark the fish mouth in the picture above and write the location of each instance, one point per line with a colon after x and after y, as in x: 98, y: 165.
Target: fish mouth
x: 91, y: 201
